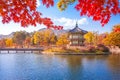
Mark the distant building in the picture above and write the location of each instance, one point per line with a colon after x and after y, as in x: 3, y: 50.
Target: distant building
x: 76, y: 36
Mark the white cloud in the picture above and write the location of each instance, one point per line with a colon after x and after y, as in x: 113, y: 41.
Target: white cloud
x: 67, y: 22
x: 13, y: 27
x: 38, y: 3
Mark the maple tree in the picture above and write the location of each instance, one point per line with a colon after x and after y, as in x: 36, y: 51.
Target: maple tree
x: 101, y: 37
x: 116, y: 28
x: 99, y: 10
x: 25, y: 11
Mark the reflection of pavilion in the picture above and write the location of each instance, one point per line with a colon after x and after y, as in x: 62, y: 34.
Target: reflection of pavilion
x: 76, y: 36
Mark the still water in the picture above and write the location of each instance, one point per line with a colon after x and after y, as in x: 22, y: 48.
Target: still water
x: 59, y: 67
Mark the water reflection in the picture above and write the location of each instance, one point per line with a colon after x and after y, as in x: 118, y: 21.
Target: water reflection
x: 59, y: 67
x: 114, y: 62
x: 101, y: 67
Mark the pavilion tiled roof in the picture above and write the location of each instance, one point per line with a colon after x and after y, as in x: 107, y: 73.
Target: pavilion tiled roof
x: 77, y: 29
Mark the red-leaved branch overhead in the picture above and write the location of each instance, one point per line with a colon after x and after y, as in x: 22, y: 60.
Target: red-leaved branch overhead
x: 24, y: 11
x: 99, y: 10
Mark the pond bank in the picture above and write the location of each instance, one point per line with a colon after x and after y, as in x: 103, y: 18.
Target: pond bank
x: 58, y: 53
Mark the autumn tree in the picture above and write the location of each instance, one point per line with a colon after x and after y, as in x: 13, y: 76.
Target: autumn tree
x: 116, y: 28
x: 27, y: 41
x: 45, y: 37
x: 53, y: 39
x: 19, y: 37
x: 113, y: 39
x: 99, y: 10
x: 25, y: 11
x: 9, y: 42
x: 89, y: 38
x: 101, y: 37
x: 62, y: 40
x: 49, y: 37
x: 38, y: 38
x: 2, y: 43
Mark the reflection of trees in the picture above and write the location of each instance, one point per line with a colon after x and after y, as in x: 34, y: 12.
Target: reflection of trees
x: 95, y: 57
x: 73, y: 61
x: 114, y: 62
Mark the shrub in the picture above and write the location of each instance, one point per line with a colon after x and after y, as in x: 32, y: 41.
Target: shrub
x: 91, y: 49
x: 102, y: 48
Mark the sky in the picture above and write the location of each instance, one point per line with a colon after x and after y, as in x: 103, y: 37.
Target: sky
x: 67, y: 19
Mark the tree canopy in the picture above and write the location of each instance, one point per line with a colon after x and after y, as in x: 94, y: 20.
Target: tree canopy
x: 89, y: 37
x: 19, y: 37
x: 25, y: 11
x: 113, y: 39
x: 45, y: 37
x: 116, y: 28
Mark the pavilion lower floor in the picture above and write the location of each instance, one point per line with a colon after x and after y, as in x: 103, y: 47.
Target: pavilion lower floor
x: 76, y: 43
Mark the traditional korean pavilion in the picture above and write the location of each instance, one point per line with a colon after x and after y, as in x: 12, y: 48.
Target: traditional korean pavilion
x: 76, y: 36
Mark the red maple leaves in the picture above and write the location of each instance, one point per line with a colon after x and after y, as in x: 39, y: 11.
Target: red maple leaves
x: 99, y: 10
x: 24, y: 11
x: 48, y: 3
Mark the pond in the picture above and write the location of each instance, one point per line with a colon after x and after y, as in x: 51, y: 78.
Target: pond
x: 59, y: 67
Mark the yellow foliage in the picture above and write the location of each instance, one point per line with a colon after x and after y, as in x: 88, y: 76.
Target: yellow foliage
x: 112, y: 39
x: 9, y: 42
x: 36, y: 37
x: 63, y: 4
x: 89, y: 37
x: 44, y: 37
x: 63, y: 40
